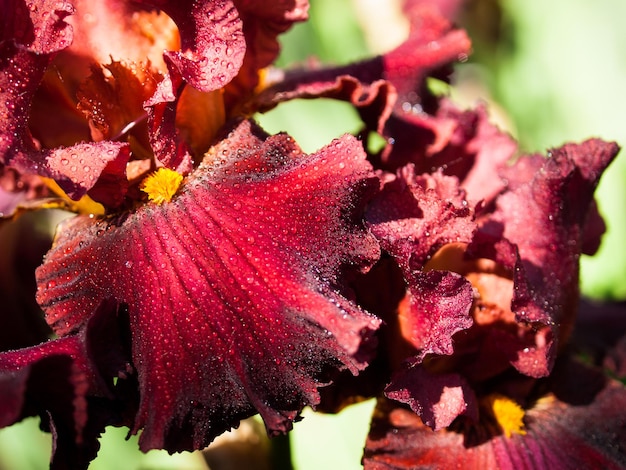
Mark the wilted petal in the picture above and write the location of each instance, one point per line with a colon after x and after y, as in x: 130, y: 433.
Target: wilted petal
x: 232, y: 287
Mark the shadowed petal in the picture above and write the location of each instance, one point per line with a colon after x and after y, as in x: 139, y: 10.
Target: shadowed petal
x: 583, y: 428
x: 231, y: 288
x: 66, y: 383
x: 437, y: 398
x: 31, y: 35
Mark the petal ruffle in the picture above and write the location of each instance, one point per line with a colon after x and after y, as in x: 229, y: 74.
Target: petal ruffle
x: 231, y: 288
x: 546, y: 216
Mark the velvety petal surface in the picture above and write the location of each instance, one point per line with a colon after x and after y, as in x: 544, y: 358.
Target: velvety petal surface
x: 413, y: 217
x: 232, y: 288
x: 437, y: 398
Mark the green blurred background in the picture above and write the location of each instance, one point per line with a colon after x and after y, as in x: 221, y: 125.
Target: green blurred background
x: 551, y: 72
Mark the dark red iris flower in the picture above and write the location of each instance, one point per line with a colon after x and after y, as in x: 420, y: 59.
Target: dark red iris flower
x: 211, y: 299
x: 214, y: 271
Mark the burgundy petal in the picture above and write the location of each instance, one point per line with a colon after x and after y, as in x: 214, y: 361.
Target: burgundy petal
x: 546, y: 217
x: 560, y: 433
x: 433, y: 43
x: 168, y: 146
x: 231, y: 288
x: 413, y: 217
x: 49, y: 380
x: 68, y: 383
x: 373, y: 85
x: 437, y: 398
x: 212, y: 41
x: 23, y: 248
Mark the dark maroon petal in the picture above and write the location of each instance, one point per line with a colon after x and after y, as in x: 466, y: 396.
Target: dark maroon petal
x: 68, y: 383
x: 460, y: 143
x: 373, y: 101
x: 231, y: 288
x: 546, y: 218
x: 414, y: 216
x: 49, y: 380
x: 440, y: 305
x: 437, y: 398
x: 30, y: 36
x: 559, y: 434
x: 23, y: 248
x: 212, y: 41
x: 600, y: 334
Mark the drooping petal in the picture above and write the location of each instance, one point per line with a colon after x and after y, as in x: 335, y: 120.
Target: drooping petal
x: 231, y: 288
x: 584, y: 428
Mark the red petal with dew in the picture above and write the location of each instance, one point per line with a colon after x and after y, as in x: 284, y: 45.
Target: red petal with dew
x: 212, y: 41
x: 566, y: 431
x: 232, y: 288
x: 413, y: 217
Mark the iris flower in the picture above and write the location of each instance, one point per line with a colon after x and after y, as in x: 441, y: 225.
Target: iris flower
x: 214, y: 272
x: 209, y: 287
